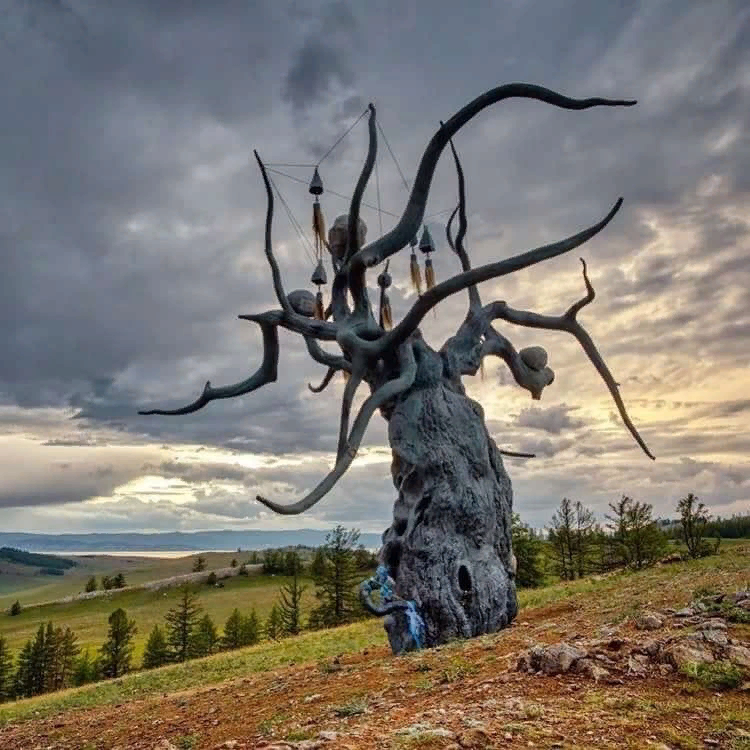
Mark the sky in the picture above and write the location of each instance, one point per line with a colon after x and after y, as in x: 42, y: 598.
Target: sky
x: 132, y: 237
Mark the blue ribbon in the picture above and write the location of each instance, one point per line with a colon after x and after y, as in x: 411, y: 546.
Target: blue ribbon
x: 382, y: 580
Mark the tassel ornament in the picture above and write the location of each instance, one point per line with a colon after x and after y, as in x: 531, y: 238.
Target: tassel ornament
x: 319, y: 229
x: 429, y: 274
x: 320, y: 312
x: 416, y: 274
x: 386, y: 313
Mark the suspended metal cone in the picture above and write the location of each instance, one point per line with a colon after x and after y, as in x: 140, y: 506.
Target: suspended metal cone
x: 316, y: 184
x: 426, y: 245
x: 319, y: 274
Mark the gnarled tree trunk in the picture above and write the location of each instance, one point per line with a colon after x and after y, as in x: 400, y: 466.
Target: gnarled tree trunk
x: 449, y: 546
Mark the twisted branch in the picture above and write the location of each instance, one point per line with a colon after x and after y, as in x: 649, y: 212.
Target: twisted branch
x: 413, y: 214
x: 266, y: 373
x: 327, y: 378
x: 275, y: 272
x: 386, y: 392
x: 475, y: 303
x: 483, y: 273
x: 568, y: 322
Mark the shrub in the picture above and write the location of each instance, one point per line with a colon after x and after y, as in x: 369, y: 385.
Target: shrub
x: 717, y: 675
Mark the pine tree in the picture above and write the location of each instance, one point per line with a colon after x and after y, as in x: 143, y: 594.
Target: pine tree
x: 646, y: 543
x: 561, y: 536
x: 91, y: 584
x: 156, y: 653
x: 69, y: 651
x: 694, y: 518
x: 250, y: 629
x: 527, y: 548
x: 274, y: 624
x: 582, y: 538
x: 6, y: 671
x: 181, y: 622
x: 85, y: 669
x: 233, y: 627
x: 618, y: 524
x: 15, y: 608
x: 117, y: 650
x: 336, y: 587
x: 199, y: 564
x: 291, y: 598
x: 318, y: 564
x: 38, y: 661
x: 206, y: 637
x: 23, y: 683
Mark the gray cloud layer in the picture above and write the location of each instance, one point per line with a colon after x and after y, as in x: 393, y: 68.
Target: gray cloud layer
x: 132, y: 226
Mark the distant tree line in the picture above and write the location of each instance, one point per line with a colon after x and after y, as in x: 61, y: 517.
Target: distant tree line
x: 576, y: 545
x: 53, y: 660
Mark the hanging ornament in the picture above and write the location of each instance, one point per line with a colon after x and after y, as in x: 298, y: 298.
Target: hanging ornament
x: 416, y: 274
x: 427, y: 246
x: 319, y: 278
x: 319, y: 233
x: 386, y: 315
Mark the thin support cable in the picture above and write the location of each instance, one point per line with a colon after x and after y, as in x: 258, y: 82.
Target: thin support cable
x: 341, y: 138
x: 347, y: 198
x: 377, y: 190
x: 304, y: 241
x: 393, y: 156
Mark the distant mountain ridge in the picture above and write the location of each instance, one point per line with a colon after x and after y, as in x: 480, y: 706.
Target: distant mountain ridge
x: 172, y: 541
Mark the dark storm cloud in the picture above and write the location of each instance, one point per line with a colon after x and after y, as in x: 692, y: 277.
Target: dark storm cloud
x: 131, y: 228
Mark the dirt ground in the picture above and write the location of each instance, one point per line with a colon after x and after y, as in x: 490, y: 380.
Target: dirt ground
x: 465, y: 695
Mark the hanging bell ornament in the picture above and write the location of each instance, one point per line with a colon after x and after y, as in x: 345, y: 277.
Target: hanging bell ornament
x: 427, y: 246
x: 416, y: 274
x: 316, y: 184
x: 319, y: 274
x: 319, y: 278
x: 386, y: 314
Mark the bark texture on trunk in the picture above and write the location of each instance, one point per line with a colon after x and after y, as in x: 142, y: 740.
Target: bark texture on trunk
x: 449, y: 546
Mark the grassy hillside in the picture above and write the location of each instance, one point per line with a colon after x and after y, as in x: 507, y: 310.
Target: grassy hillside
x: 88, y: 618
x: 345, y: 680
x: 22, y: 582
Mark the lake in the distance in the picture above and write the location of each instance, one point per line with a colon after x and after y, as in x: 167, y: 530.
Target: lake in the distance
x: 169, y: 554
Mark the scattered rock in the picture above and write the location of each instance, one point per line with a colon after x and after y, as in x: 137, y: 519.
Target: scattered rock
x: 744, y: 604
x: 164, y: 744
x: 739, y: 655
x: 715, y: 637
x: 714, y: 623
x: 228, y: 745
x: 638, y: 664
x: 311, y: 698
x: 591, y: 669
x: 328, y: 736
x: 649, y: 621
x: 683, y: 652
x: 686, y: 612
x: 550, y: 660
x: 741, y: 596
x: 475, y: 739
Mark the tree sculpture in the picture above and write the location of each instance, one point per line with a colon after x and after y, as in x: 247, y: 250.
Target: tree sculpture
x: 447, y: 566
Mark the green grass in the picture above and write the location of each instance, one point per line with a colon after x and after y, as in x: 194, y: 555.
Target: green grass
x: 306, y: 648
x: 613, y: 595
x: 718, y: 675
x: 21, y: 582
x: 88, y: 618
